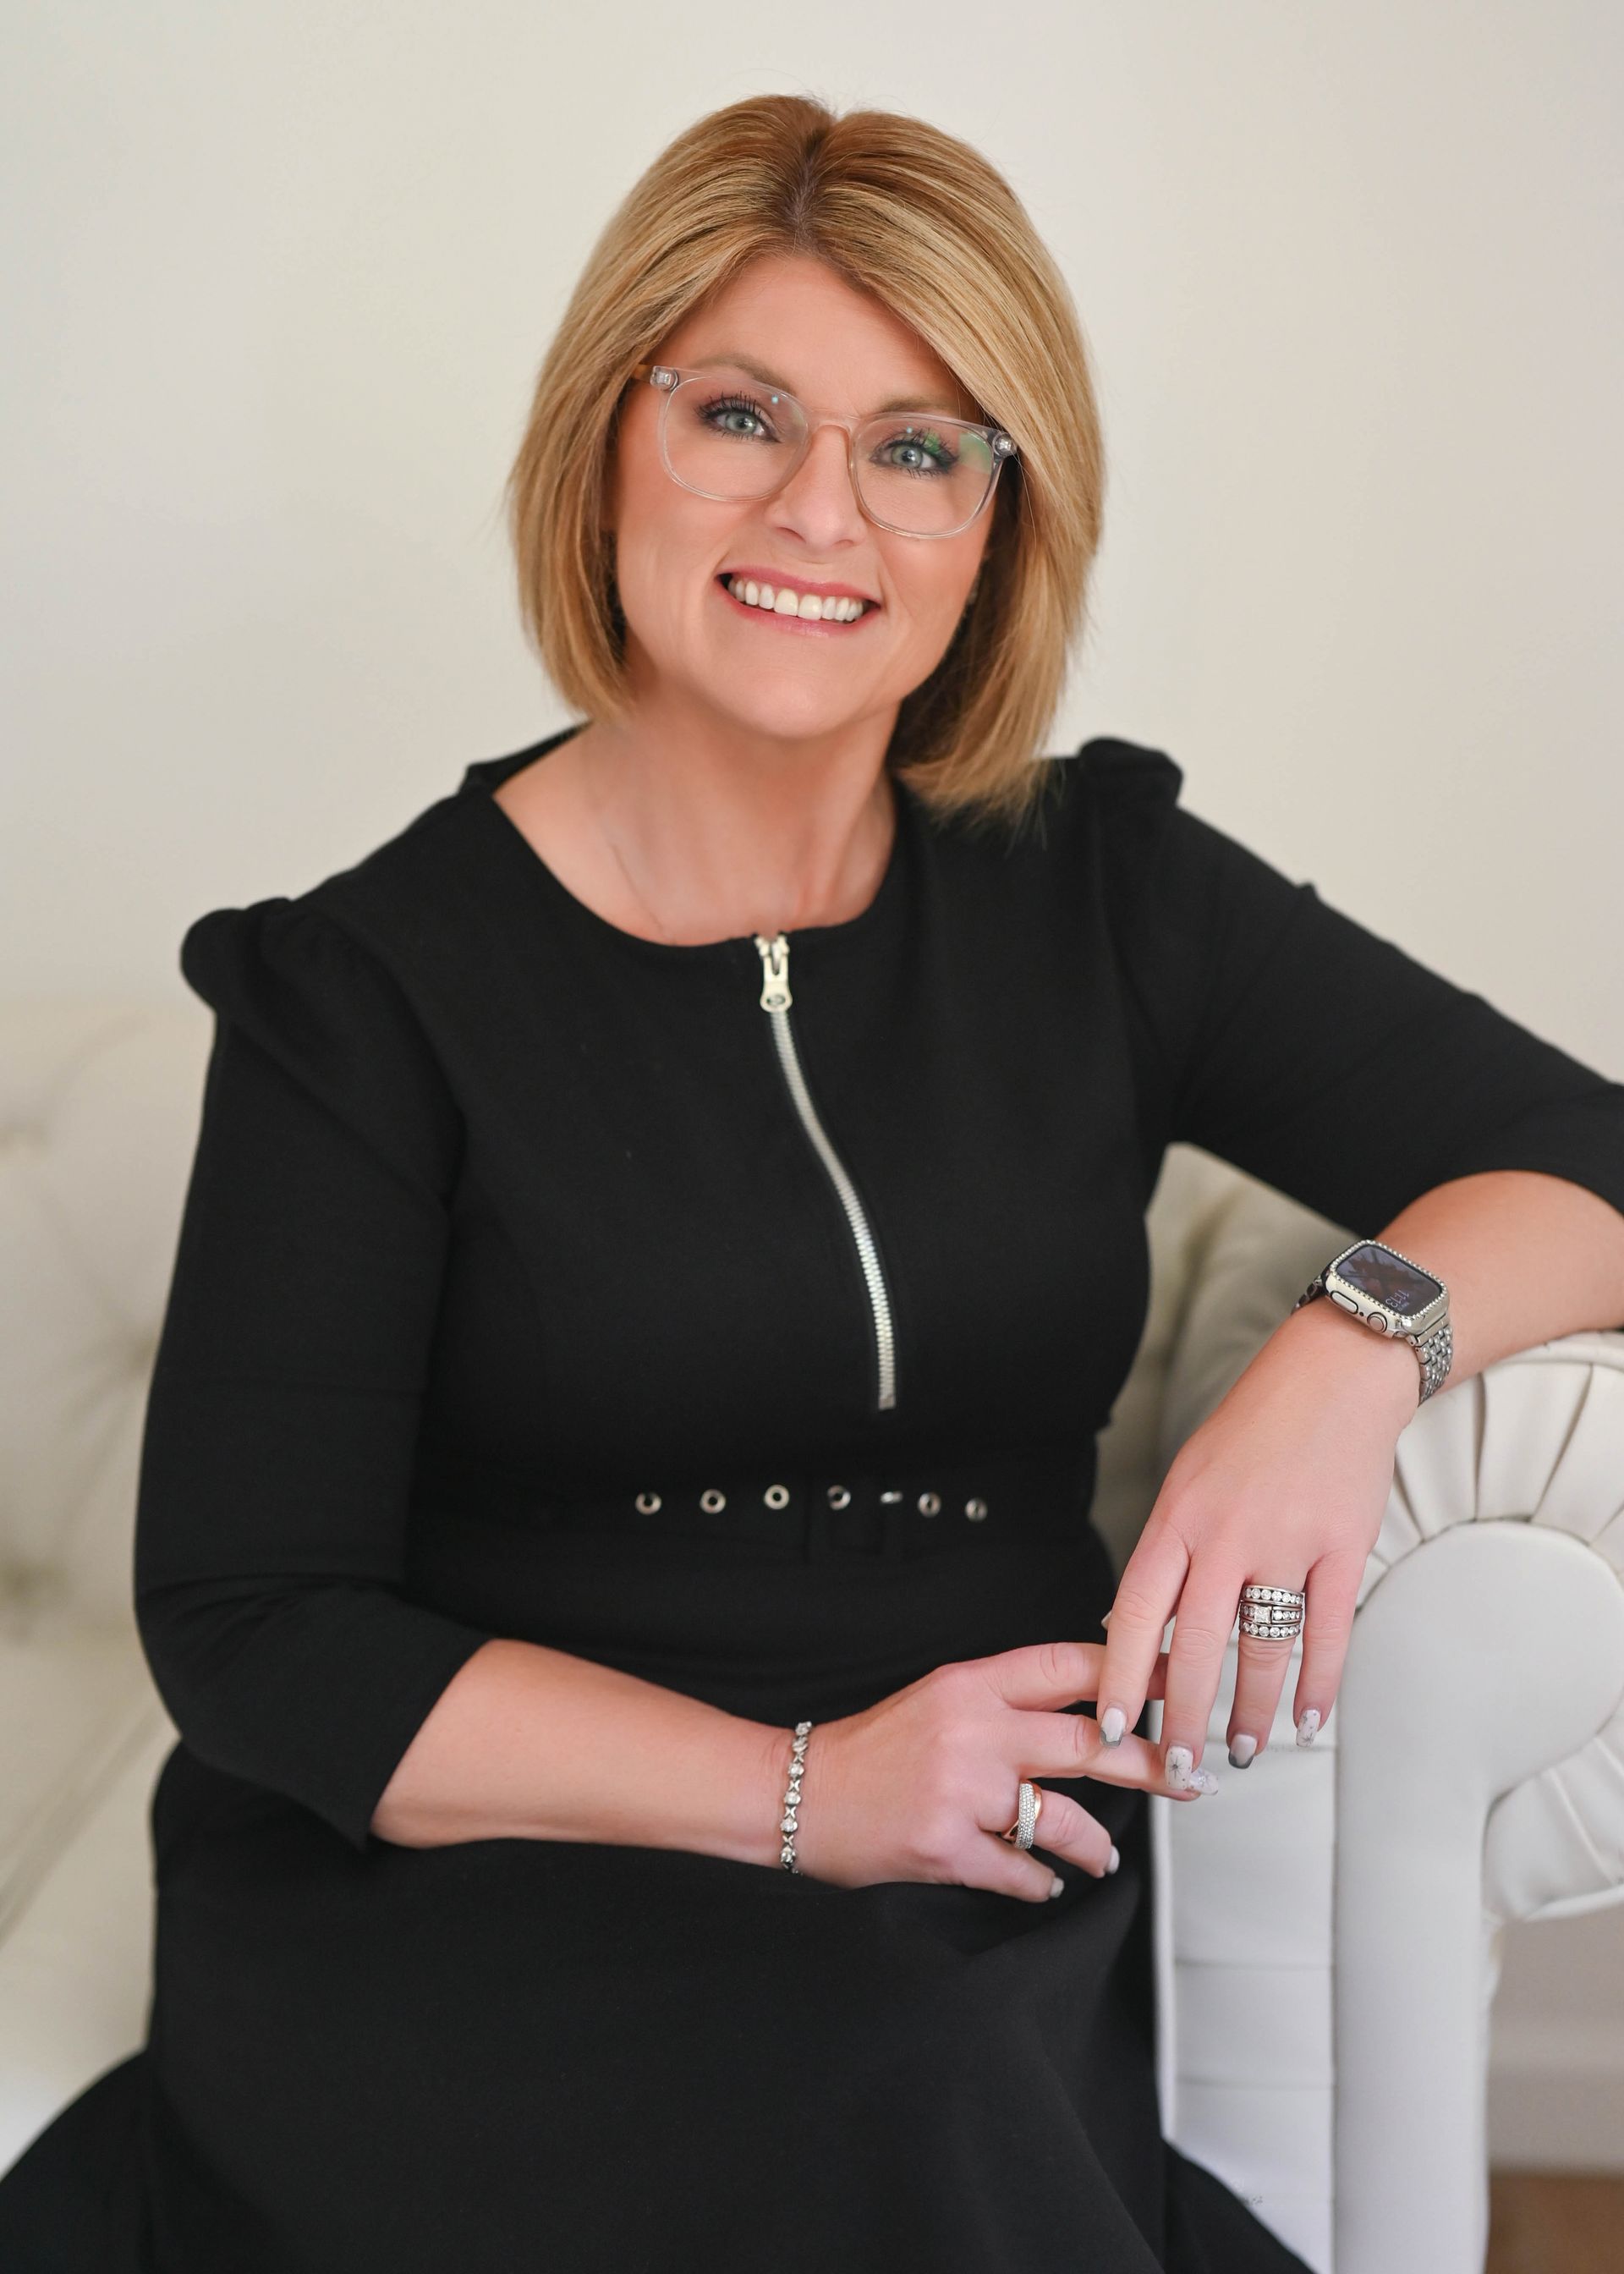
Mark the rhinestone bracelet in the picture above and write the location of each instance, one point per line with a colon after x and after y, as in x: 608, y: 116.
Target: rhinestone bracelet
x: 789, y: 1823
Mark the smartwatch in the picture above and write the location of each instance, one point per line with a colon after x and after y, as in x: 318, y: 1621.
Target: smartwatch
x: 1393, y: 1296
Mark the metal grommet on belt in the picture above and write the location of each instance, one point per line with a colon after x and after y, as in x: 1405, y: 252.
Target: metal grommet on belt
x: 929, y: 1503
x: 975, y: 1510
x: 776, y: 1495
x: 888, y: 1497
x: 647, y: 1503
x: 711, y: 1500
x: 838, y: 1496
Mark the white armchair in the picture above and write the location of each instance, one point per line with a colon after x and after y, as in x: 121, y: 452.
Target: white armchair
x: 1329, y: 1934
x: 1328, y: 1929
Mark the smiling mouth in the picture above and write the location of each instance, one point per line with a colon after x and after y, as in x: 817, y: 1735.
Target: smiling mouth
x: 786, y: 607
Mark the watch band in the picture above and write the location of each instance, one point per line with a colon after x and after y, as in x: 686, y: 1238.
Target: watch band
x: 1434, y: 1350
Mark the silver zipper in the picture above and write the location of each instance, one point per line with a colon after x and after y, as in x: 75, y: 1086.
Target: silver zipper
x: 775, y: 1000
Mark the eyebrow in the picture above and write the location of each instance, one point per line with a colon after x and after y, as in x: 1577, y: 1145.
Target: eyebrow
x: 880, y: 410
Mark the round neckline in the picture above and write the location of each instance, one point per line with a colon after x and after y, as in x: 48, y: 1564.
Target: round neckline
x: 481, y: 779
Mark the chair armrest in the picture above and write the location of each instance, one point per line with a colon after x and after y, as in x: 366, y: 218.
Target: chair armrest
x: 1537, y: 1438
x: 1472, y: 1773
x: 1537, y: 1441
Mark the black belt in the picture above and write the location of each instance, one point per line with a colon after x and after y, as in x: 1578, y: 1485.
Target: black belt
x: 907, y: 1510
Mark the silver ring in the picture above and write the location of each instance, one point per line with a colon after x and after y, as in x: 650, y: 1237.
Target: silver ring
x: 1269, y: 1614
x: 1028, y: 1803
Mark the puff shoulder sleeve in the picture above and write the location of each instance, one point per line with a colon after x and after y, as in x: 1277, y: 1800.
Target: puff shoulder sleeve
x: 1285, y: 1036
x: 281, y: 1423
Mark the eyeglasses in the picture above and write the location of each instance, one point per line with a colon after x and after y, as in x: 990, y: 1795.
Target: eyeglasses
x: 724, y: 434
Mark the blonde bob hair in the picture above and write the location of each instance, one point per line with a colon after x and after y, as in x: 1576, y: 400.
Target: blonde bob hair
x: 906, y: 213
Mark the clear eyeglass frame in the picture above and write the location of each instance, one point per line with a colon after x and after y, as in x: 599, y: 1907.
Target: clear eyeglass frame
x: 667, y: 377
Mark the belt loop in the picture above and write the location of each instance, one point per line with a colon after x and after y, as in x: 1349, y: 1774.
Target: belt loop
x: 898, y: 1520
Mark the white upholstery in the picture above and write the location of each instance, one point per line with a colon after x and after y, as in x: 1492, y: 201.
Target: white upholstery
x: 1326, y: 1927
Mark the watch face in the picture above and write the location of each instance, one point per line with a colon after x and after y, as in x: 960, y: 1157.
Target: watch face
x: 1375, y: 1271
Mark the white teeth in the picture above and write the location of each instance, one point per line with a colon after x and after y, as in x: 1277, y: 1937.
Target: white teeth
x: 788, y: 602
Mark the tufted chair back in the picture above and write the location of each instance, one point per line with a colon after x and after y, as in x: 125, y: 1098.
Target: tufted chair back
x: 98, y: 1115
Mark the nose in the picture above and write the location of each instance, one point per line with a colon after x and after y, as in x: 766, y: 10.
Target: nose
x: 820, y: 499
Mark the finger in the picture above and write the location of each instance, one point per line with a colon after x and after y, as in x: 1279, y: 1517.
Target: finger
x: 1202, y: 1630
x: 1333, y: 1587
x: 1050, y: 1674
x: 1044, y: 1673
x: 1259, y: 1677
x: 1009, y: 1871
x: 999, y: 1865
x: 1066, y: 1829
x: 1070, y: 1745
x: 1146, y: 1594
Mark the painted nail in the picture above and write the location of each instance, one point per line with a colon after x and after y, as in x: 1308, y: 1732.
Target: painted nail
x: 1113, y: 1721
x: 1242, y: 1751
x: 1308, y: 1727
x: 1180, y: 1760
x: 1203, y: 1780
x: 1057, y: 1887
x: 1115, y: 1860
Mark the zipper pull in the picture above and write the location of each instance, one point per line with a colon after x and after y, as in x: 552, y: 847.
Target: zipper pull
x: 775, y: 995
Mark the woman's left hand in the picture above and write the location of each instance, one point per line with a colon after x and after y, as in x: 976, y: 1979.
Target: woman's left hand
x: 1285, y: 1483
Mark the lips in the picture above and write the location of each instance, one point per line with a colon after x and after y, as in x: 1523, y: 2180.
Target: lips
x: 816, y: 627
x: 794, y: 626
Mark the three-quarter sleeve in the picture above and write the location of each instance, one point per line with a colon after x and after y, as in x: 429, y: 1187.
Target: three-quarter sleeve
x: 1282, y: 1035
x: 278, y: 1448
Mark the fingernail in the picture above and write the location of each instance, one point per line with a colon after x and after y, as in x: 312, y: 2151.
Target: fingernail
x: 1057, y: 1887
x: 1307, y: 1728
x: 1180, y: 1760
x: 1203, y: 1780
x: 1115, y: 1860
x: 1242, y: 1751
x: 1113, y: 1721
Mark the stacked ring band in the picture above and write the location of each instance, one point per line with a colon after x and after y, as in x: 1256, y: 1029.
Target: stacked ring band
x: 1268, y: 1612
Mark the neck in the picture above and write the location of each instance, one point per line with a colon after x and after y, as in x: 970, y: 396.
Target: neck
x: 718, y: 837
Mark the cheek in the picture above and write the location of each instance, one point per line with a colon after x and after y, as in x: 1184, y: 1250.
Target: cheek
x: 658, y: 568
x: 931, y: 612
x: 930, y: 585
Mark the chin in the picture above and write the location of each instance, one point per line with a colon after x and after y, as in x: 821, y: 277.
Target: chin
x: 779, y: 712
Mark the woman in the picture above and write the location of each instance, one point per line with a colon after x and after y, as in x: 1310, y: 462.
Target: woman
x: 666, y: 1230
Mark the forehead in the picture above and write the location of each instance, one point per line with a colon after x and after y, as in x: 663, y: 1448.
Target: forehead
x: 793, y: 323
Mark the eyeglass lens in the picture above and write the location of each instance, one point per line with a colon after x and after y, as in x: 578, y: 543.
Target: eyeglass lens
x: 728, y: 436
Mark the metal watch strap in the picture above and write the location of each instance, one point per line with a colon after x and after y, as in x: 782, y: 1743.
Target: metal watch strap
x: 1434, y: 1351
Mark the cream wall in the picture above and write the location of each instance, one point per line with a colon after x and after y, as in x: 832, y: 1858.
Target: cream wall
x: 278, y: 278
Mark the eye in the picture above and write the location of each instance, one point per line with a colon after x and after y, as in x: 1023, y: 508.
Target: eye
x: 734, y: 414
x: 924, y: 450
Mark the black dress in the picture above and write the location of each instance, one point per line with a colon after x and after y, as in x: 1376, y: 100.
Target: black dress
x: 501, y: 1218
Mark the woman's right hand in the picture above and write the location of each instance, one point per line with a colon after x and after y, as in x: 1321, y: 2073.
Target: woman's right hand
x: 922, y: 1785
